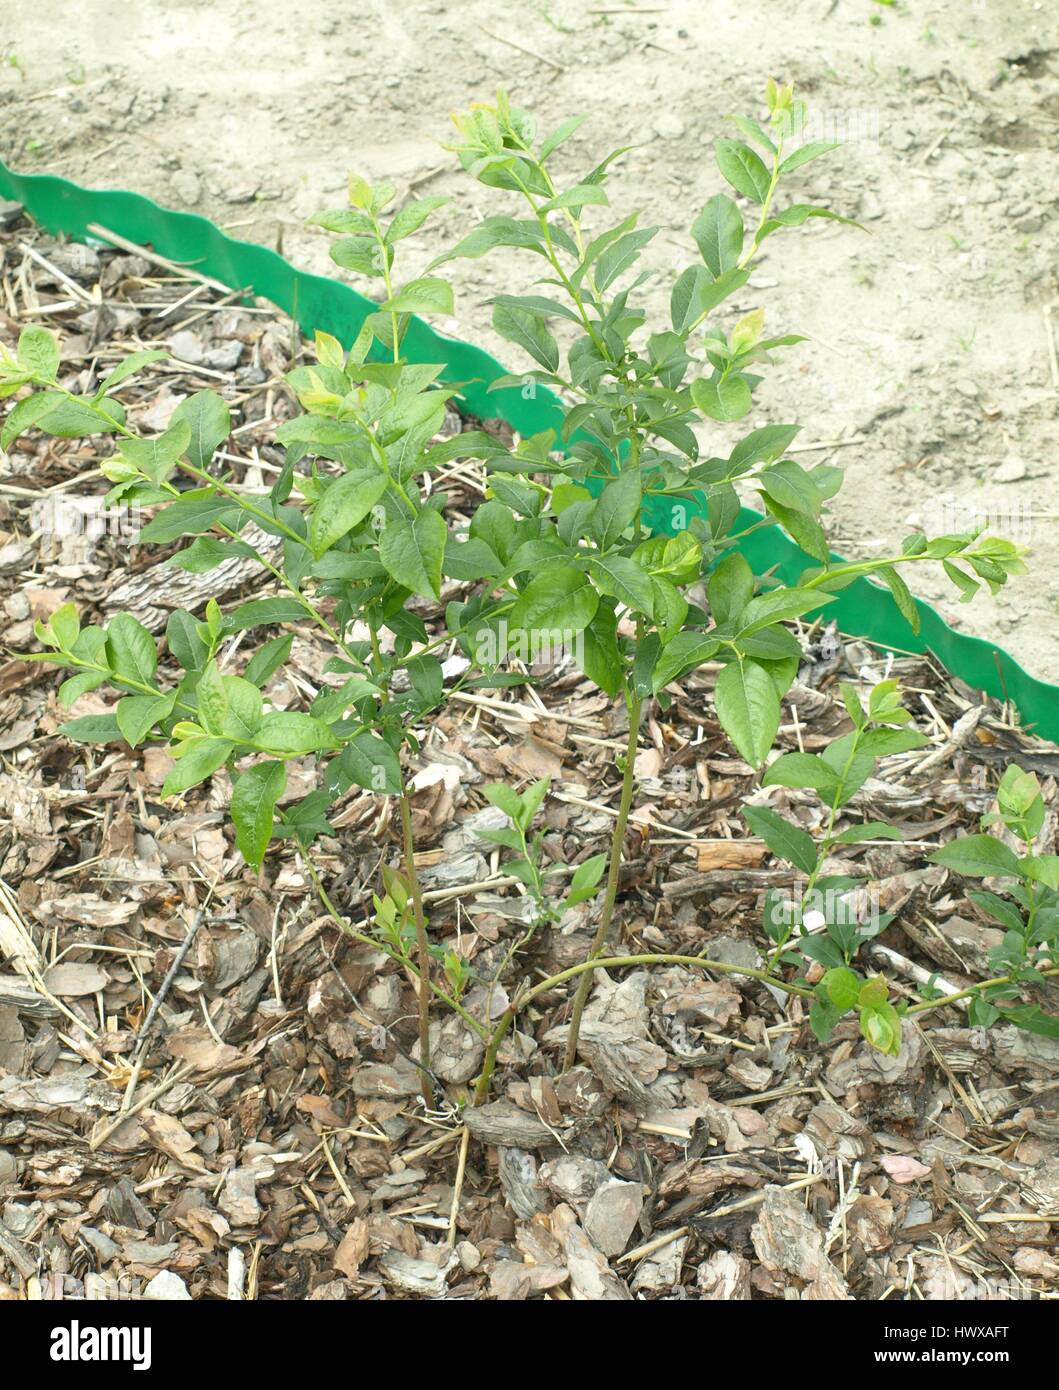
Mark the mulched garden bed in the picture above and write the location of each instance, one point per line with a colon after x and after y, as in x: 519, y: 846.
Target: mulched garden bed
x: 259, y: 1133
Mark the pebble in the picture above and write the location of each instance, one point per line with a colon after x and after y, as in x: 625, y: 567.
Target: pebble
x: 187, y: 186
x: 669, y: 126
x: 167, y: 1287
x: 1012, y: 470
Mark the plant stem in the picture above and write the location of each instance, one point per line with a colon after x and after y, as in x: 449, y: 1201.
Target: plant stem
x: 481, y: 1089
x: 928, y: 1004
x: 634, y: 705
x: 347, y: 929
x: 422, y: 945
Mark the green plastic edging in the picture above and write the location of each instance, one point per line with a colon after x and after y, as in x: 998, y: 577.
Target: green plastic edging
x: 316, y: 302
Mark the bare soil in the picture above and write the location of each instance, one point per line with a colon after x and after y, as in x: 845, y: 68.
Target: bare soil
x: 931, y: 343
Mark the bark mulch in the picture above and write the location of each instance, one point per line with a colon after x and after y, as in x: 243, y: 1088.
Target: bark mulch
x: 207, y: 1090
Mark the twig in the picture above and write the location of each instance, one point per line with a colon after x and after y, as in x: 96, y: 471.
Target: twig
x: 174, y: 267
x: 457, y: 1189
x: 541, y: 58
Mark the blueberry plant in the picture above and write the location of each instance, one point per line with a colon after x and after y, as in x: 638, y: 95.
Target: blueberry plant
x: 356, y: 540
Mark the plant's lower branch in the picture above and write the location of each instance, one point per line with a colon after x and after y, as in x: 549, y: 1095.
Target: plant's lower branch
x: 927, y: 1004
x: 634, y: 705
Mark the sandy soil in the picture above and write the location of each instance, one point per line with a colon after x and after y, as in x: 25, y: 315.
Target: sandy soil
x: 931, y: 336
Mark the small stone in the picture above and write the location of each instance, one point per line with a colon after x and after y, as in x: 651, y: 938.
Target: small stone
x: 469, y: 1256
x: 1012, y: 470
x: 917, y: 1213
x: 9, y: 213
x: 669, y: 126
x: 612, y: 1214
x: 167, y: 1287
x: 187, y: 186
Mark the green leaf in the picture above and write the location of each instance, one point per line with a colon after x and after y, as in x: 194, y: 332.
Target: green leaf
x: 561, y: 599
x: 743, y: 169
x: 812, y: 149
x: 686, y: 652
x: 622, y: 578
x: 207, y: 552
x: 262, y: 612
x: 369, y: 762
x: 586, y: 877
x: 882, y: 743
x: 977, y: 856
x: 730, y: 589
x: 212, y: 699
x: 70, y: 419
x: 268, y: 659
x: 841, y: 987
x: 198, y: 758
x: 138, y: 714
x: 722, y: 399
x: 764, y: 444
x: 869, y: 830
x: 601, y: 658
x: 802, y: 770
x: 427, y: 679
x: 131, y: 650
x: 529, y: 332
x: 76, y: 686
x: 192, y: 514
x: 413, y: 553
x: 128, y: 367
x: 619, y: 255
x: 38, y: 351
x: 183, y: 640
x: 617, y: 508
x: 718, y: 233
x: 210, y: 422
x: 1032, y: 1019
x: 429, y: 295
x: 780, y: 605
x: 23, y: 415
x: 748, y: 708
x: 823, y: 1018
x: 92, y: 728
x: 291, y: 733
x: 411, y: 218
x: 788, y: 841
x: 345, y: 504
x: 253, y: 808
x: 881, y: 1027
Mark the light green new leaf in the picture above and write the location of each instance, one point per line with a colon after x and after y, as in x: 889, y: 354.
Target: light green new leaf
x: 199, y: 758
x: 724, y: 400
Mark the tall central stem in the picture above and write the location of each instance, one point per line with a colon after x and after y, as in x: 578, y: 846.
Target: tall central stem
x: 634, y: 705
x: 422, y: 948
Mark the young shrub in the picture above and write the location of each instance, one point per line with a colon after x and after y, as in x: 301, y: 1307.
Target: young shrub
x: 557, y: 547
